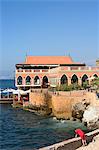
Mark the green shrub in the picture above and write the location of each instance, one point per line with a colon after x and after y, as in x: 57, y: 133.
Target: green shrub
x: 95, y: 82
x: 64, y: 87
x: 85, y: 84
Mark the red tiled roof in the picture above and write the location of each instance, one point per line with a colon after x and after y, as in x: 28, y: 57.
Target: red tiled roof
x: 49, y: 60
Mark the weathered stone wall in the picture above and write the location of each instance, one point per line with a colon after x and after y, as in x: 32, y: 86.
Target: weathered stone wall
x: 62, y: 106
x: 63, y: 102
x: 92, y: 98
x: 37, y: 99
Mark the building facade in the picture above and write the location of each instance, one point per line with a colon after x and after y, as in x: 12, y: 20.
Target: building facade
x: 97, y: 62
x: 42, y: 71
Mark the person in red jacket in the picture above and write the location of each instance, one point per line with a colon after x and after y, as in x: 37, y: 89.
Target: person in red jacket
x: 82, y: 135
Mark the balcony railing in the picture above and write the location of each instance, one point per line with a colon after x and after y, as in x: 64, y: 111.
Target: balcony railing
x: 32, y: 70
x: 45, y: 70
x: 28, y: 70
x: 79, y: 68
x: 18, y: 70
x: 36, y: 70
x: 55, y: 70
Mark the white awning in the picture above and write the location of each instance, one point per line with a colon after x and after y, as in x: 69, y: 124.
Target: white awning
x: 21, y: 92
x: 7, y: 91
x: 18, y: 91
x: 53, y: 85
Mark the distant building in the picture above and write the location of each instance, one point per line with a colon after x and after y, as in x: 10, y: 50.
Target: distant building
x: 44, y: 71
x: 97, y: 62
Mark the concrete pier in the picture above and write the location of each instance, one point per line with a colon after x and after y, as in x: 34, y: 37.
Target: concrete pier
x: 71, y: 144
x: 6, y: 100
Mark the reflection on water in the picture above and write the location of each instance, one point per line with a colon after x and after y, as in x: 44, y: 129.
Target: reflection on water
x: 23, y: 130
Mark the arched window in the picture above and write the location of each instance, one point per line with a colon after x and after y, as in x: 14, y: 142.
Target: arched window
x: 45, y: 81
x: 95, y: 75
x: 64, y: 79
x: 19, y: 80
x: 36, y: 80
x: 28, y: 80
x: 74, y: 79
x: 85, y: 79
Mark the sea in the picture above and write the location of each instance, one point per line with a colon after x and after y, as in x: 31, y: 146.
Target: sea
x: 24, y: 130
x: 7, y: 83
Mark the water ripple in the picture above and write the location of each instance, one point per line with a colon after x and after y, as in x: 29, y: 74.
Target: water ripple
x: 22, y: 130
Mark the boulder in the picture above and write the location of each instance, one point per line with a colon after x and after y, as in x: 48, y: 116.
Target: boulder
x: 91, y: 117
x: 78, y: 110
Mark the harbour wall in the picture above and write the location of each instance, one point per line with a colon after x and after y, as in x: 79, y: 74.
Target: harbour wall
x: 61, y: 103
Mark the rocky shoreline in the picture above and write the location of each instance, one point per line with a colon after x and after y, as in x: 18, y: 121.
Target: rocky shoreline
x: 82, y: 111
x: 63, y: 107
x: 87, y: 114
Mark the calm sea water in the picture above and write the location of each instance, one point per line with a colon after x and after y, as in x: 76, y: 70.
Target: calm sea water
x: 23, y: 130
x: 7, y: 83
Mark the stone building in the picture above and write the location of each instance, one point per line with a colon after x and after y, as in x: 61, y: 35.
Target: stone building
x: 42, y: 71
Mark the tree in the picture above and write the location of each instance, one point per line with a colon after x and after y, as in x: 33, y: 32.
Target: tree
x: 95, y: 82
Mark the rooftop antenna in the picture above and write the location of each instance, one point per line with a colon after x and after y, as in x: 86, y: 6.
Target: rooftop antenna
x: 26, y: 56
x: 69, y: 55
x: 65, y: 53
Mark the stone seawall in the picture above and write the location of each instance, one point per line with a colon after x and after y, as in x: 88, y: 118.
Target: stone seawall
x: 36, y: 98
x: 62, y: 103
x: 71, y: 144
x: 62, y: 106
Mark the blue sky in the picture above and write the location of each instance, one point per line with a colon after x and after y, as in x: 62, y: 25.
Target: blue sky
x: 51, y: 27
